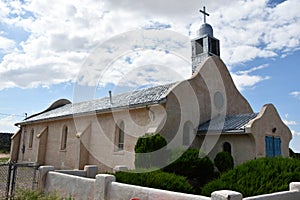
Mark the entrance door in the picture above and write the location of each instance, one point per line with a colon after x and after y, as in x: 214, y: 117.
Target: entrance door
x: 273, y: 146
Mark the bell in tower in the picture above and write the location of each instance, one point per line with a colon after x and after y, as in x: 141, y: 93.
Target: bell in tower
x: 205, y: 44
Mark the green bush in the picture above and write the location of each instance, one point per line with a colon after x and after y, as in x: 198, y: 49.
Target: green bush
x: 261, y: 176
x: 224, y: 161
x: 294, y: 155
x: 192, y: 166
x: 150, y: 144
x: 156, y: 179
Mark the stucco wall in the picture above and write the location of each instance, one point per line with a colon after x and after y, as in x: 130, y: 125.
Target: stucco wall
x: 269, y: 123
x: 91, y: 138
x: 194, y: 99
x: 242, y: 146
x: 104, y: 187
x: 70, y: 186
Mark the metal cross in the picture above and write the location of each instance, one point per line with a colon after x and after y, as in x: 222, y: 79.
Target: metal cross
x: 204, y: 13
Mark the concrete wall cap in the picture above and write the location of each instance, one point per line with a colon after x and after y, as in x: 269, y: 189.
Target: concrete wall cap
x: 226, y: 195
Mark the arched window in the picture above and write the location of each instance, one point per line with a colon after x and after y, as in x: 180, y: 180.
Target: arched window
x: 187, y: 133
x: 31, y: 136
x: 120, y: 136
x: 64, y: 137
x: 227, y: 147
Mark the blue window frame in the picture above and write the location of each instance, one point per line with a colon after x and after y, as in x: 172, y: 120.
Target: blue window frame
x: 273, y: 146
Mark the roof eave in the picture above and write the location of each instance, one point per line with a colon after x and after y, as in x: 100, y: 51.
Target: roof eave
x: 216, y: 132
x: 103, y: 111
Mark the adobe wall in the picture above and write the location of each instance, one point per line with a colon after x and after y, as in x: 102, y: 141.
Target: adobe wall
x: 91, y: 139
x: 105, y: 187
x: 207, y: 94
x: 269, y: 123
x: 242, y: 146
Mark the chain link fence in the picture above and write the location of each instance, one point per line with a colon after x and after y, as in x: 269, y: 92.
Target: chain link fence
x: 4, y: 180
x: 17, y: 176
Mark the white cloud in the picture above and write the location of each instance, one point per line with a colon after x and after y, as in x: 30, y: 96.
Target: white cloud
x: 6, y: 44
x: 289, y: 123
x: 295, y: 94
x: 7, y: 124
x: 62, y: 34
x: 295, y: 133
x: 244, y: 79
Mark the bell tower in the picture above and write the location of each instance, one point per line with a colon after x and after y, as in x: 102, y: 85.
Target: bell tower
x: 204, y: 45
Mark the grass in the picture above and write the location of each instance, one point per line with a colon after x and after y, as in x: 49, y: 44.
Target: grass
x: 36, y: 195
x: 4, y: 160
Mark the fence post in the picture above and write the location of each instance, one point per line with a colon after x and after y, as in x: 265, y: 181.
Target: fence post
x: 43, y: 170
x: 101, y: 186
x: 226, y: 195
x: 13, y: 179
x: 8, y: 183
x: 295, y: 186
x: 91, y: 170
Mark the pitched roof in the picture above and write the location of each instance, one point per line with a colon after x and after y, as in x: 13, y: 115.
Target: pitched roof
x: 231, y: 123
x: 148, y: 96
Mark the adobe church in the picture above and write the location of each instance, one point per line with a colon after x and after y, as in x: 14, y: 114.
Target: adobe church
x: 205, y: 111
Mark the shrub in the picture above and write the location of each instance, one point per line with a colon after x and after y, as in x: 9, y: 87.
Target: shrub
x: 224, y: 161
x: 147, y: 144
x: 261, y: 176
x: 192, y: 166
x: 156, y: 179
x: 294, y: 155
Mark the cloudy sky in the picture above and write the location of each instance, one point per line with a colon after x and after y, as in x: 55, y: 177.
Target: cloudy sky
x: 46, y: 46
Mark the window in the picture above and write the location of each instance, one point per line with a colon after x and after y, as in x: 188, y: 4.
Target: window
x: 31, y: 138
x: 199, y: 46
x: 64, y: 138
x: 187, y: 133
x: 227, y: 147
x: 120, y: 136
x: 273, y: 146
x: 214, y: 46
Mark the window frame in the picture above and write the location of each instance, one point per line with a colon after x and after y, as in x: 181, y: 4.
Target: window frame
x: 120, y: 136
x: 64, y: 138
x: 227, y: 147
x: 31, y: 136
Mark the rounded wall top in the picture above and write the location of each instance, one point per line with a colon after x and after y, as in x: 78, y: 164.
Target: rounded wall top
x: 206, y: 29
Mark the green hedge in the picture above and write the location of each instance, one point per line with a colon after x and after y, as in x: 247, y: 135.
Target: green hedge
x: 147, y: 144
x: 192, y: 166
x: 155, y: 179
x: 224, y: 161
x: 261, y: 176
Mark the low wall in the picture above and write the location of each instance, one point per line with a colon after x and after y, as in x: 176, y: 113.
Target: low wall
x: 69, y: 185
x: 125, y: 191
x: 104, y: 187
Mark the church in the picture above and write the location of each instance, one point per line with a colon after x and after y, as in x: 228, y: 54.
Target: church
x: 205, y: 111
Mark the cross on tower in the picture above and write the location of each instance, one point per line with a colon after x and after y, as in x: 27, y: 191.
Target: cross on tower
x: 204, y: 13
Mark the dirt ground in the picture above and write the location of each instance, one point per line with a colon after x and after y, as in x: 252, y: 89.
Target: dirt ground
x: 3, y: 155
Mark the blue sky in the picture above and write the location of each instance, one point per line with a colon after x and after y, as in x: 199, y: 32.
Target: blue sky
x: 44, y: 46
